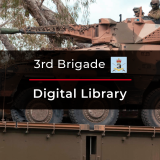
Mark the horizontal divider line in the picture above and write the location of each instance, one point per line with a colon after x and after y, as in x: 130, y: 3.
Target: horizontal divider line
x: 80, y: 79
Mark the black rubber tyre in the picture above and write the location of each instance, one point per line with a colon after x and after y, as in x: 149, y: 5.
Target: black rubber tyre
x: 149, y: 115
x: 78, y: 115
x: 18, y: 115
x: 21, y: 102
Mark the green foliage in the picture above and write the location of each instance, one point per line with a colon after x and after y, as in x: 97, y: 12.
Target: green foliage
x: 74, y: 10
x: 85, y: 9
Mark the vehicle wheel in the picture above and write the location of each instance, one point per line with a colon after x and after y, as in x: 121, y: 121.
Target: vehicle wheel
x: 26, y: 108
x: 102, y: 116
x: 18, y: 115
x: 151, y: 112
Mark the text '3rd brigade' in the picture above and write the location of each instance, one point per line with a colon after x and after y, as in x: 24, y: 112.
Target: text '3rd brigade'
x: 118, y: 64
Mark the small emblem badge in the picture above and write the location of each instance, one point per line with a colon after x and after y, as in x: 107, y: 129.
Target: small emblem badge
x: 118, y: 64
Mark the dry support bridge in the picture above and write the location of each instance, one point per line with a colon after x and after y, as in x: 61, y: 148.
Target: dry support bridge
x: 31, y: 141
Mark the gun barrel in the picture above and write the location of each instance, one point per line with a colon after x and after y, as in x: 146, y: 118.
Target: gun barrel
x: 9, y: 31
x: 16, y: 30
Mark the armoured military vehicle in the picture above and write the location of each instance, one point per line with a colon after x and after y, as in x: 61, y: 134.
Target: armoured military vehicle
x: 138, y: 38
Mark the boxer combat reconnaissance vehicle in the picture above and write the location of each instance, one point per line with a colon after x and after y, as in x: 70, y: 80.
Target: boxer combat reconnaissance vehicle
x: 138, y: 39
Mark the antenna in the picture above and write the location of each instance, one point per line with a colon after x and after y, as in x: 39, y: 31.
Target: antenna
x: 140, y: 13
x: 120, y: 17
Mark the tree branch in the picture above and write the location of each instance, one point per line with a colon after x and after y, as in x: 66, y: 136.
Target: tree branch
x: 35, y: 11
x: 10, y: 20
x: 41, y: 3
x: 38, y: 14
x: 5, y: 39
x: 49, y: 15
x: 60, y: 8
x: 6, y: 42
x: 4, y: 23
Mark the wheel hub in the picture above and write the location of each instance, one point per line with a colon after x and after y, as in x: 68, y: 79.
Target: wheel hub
x: 95, y: 115
x: 34, y: 113
x: 157, y: 114
x: 157, y: 111
x: 39, y: 114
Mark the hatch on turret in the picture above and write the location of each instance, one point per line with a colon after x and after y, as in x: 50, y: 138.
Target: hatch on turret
x: 107, y: 21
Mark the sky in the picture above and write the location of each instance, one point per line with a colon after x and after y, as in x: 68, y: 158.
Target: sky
x: 110, y: 9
